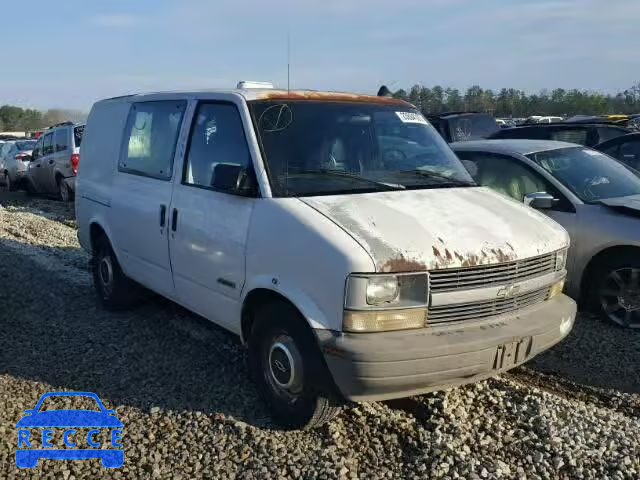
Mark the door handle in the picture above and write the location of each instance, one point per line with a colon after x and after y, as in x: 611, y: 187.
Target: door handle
x: 38, y: 165
x: 163, y: 215
x: 174, y: 220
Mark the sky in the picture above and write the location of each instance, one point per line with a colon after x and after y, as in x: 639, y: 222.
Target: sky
x: 71, y: 53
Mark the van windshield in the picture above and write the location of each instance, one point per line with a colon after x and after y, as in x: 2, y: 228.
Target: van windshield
x: 326, y: 148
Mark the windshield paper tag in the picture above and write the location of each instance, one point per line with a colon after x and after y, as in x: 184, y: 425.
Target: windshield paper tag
x: 412, y: 117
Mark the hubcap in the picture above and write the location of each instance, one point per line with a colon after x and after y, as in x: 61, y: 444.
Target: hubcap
x: 284, y: 365
x: 620, y: 297
x: 105, y: 272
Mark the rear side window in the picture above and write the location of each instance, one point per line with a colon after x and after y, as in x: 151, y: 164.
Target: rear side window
x: 47, y: 146
x: 77, y: 135
x: 61, y: 139
x: 605, y: 134
x: 578, y: 136
x: 150, y: 140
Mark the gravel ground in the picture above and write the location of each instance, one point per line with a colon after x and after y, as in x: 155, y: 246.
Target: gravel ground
x: 179, y: 386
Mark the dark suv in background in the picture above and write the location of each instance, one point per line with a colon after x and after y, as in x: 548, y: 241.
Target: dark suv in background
x: 462, y: 126
x: 55, y: 160
x: 580, y: 133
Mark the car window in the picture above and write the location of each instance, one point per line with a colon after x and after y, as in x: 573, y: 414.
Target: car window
x: 61, y: 140
x: 78, y: 132
x: 217, y: 138
x: 510, y: 177
x: 589, y: 174
x: 151, y: 135
x: 629, y: 154
x: 5, y: 149
x: 37, y: 149
x: 605, y: 133
x: 578, y: 135
x: 47, y: 145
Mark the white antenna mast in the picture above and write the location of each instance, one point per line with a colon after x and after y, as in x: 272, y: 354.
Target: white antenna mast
x: 288, y: 60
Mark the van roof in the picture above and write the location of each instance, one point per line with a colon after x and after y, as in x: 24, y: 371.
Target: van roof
x: 272, y: 94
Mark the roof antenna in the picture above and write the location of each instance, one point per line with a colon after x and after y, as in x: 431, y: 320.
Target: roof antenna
x: 288, y: 59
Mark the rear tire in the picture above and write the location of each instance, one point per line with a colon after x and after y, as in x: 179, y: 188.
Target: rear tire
x: 114, y: 289
x: 615, y: 290
x: 287, y: 366
x: 64, y: 193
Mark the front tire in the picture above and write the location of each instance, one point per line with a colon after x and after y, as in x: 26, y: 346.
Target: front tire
x: 615, y: 293
x: 114, y: 289
x: 288, y: 369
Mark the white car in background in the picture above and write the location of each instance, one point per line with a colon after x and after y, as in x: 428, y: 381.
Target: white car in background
x: 15, y: 156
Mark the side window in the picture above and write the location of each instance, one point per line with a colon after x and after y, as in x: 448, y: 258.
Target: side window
x: 613, y: 150
x: 150, y: 138
x: 218, y: 151
x: 47, y: 145
x: 578, y: 136
x: 37, y: 150
x: 630, y: 154
x: 605, y: 133
x: 508, y: 176
x: 61, y: 139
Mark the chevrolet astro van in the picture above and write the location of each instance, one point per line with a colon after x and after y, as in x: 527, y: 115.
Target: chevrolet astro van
x: 336, y: 234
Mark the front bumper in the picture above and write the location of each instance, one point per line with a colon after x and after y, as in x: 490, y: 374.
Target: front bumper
x: 382, y: 366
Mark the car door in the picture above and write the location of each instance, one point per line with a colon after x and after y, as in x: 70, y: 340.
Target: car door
x: 210, y: 217
x: 142, y: 192
x: 62, y: 153
x: 45, y: 178
x: 32, y: 170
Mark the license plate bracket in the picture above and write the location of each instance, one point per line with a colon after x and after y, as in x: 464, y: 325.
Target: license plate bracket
x: 510, y: 354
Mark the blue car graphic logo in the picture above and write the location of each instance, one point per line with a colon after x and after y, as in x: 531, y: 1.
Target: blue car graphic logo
x: 68, y: 419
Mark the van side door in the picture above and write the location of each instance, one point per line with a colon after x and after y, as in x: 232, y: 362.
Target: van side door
x: 43, y: 175
x: 210, y: 215
x: 141, y: 193
x: 62, y: 153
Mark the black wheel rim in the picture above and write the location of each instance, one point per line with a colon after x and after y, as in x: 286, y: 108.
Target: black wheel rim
x: 620, y: 297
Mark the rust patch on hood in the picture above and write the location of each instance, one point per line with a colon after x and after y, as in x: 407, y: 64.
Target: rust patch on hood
x: 403, y: 264
x: 330, y: 97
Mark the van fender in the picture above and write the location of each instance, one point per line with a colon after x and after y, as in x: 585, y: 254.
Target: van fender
x: 316, y: 318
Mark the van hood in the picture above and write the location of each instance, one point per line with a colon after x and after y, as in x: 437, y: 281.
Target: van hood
x: 417, y: 230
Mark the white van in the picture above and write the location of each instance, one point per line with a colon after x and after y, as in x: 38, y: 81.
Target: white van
x: 336, y: 234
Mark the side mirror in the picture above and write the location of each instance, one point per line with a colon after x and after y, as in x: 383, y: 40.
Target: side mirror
x: 234, y: 179
x: 539, y: 200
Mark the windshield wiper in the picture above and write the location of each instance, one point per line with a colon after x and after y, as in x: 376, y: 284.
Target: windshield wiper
x: 448, y: 180
x: 336, y: 173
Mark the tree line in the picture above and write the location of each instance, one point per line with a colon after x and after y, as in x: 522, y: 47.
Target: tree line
x: 16, y: 119
x: 511, y: 102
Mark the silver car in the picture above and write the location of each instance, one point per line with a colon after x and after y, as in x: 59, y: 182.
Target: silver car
x: 15, y: 156
x: 595, y: 197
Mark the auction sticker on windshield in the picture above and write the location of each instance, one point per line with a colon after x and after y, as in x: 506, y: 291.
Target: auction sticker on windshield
x: 412, y: 117
x: 93, y: 432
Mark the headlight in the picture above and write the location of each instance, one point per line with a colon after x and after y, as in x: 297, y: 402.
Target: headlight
x: 561, y: 259
x: 375, y: 303
x: 383, y: 289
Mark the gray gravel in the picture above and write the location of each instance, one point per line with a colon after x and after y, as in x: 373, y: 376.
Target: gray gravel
x: 179, y: 386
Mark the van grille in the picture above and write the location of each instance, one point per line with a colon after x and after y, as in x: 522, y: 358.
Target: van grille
x: 487, y: 275
x: 484, y: 309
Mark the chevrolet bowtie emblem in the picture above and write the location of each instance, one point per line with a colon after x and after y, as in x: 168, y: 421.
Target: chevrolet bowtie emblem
x: 508, y: 291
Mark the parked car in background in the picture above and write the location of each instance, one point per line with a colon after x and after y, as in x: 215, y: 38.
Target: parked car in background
x: 625, y: 148
x: 462, y: 126
x: 583, y: 134
x: 372, y: 293
x: 550, y: 119
x: 596, y: 198
x: 55, y: 160
x: 15, y: 156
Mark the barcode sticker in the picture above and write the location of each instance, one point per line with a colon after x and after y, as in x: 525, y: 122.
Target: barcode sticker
x: 412, y: 117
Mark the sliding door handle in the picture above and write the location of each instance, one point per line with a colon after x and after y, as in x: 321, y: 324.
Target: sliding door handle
x: 174, y: 220
x: 163, y: 215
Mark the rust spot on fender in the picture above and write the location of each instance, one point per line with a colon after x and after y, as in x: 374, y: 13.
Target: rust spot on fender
x: 403, y: 264
x: 330, y: 97
x: 436, y: 252
x: 448, y: 254
x: 458, y: 256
